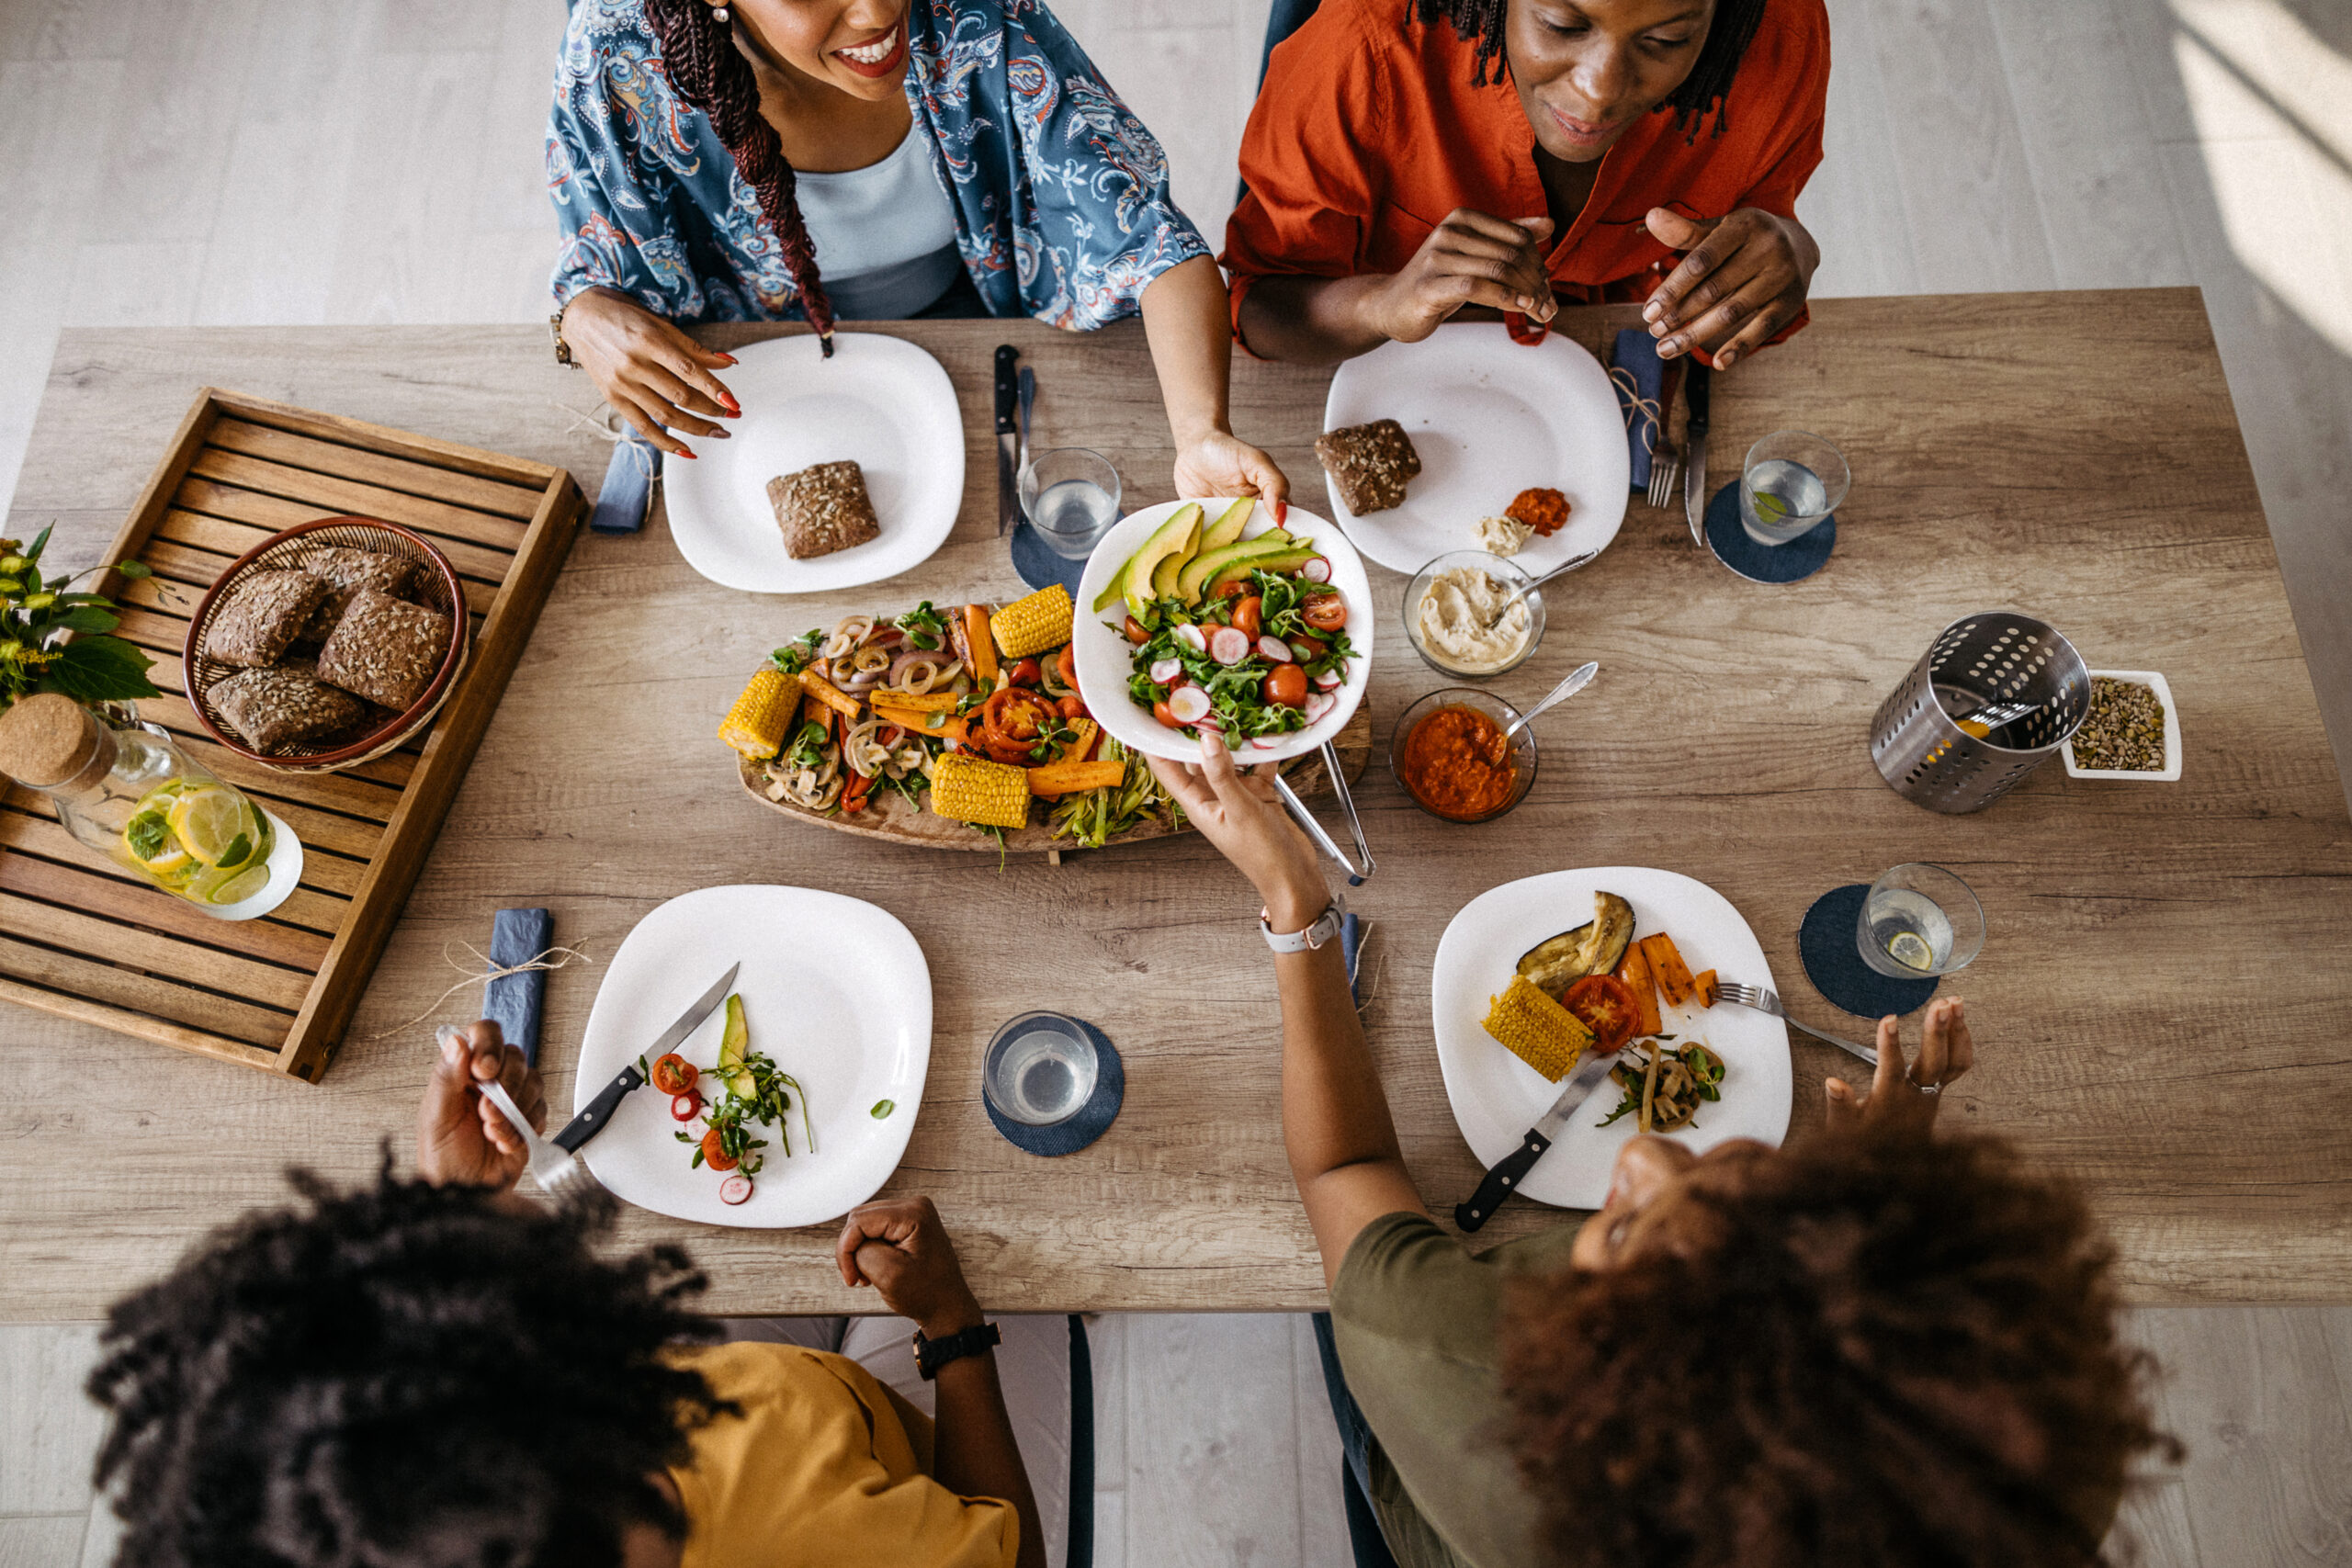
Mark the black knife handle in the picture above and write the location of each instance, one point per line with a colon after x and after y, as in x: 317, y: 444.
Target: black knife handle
x: 1007, y: 384
x: 1500, y: 1182
x: 1694, y: 396
x: 591, y: 1122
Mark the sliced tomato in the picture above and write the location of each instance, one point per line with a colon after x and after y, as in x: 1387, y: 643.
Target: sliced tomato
x: 674, y: 1074
x: 1605, y: 1005
x: 1286, y: 686
x: 1073, y: 707
x: 1324, y: 612
x: 714, y: 1153
x: 1027, y: 672
x: 1136, y: 634
x: 1067, y: 662
x: 1306, y: 650
x: 1249, y: 616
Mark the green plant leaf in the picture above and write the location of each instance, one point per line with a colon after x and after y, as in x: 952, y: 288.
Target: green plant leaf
x: 883, y: 1108
x: 89, y: 618
x: 40, y: 541
x: 101, y: 670
x: 134, y: 570
x: 146, y: 834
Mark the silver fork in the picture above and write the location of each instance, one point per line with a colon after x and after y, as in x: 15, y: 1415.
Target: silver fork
x: 1666, y: 474
x: 1762, y: 999
x: 561, y: 1176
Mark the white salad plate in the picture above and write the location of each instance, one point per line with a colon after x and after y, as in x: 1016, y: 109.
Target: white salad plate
x: 1105, y: 658
x: 881, y: 403
x: 1496, y: 1097
x: 834, y: 990
x: 1490, y: 417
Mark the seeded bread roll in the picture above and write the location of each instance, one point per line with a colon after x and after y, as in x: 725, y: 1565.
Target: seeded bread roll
x: 345, y: 571
x: 261, y: 616
x: 384, y: 649
x: 823, y: 510
x: 277, y: 708
x: 1370, y: 463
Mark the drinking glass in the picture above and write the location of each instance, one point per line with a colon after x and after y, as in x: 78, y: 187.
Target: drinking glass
x: 1040, y: 1069
x: 1071, y: 497
x: 1919, y: 920
x: 1792, y: 481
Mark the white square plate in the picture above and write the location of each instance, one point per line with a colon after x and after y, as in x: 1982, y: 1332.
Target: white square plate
x: 2170, y: 773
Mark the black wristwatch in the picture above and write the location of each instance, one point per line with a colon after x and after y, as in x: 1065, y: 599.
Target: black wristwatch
x: 932, y: 1354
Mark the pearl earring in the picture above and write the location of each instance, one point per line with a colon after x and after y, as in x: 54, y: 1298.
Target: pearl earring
x: 720, y: 15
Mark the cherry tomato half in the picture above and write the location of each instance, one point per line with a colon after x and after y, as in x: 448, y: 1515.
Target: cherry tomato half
x: 1248, y: 616
x: 674, y: 1074
x: 1324, y: 612
x: 1306, y: 650
x: 1067, y: 662
x: 1136, y: 634
x: 1286, y: 686
x: 1027, y: 673
x: 1160, y: 711
x: 1605, y: 1005
x: 714, y: 1153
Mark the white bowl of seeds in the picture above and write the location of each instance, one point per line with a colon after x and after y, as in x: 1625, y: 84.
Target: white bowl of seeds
x: 2132, y: 730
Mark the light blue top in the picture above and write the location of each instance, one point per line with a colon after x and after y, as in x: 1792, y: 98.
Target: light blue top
x: 884, y: 235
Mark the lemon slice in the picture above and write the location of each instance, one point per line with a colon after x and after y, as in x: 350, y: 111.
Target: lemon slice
x: 213, y: 824
x: 1912, y: 950
x: 243, y: 886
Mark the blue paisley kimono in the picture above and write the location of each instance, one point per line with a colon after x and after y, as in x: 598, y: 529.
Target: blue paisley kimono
x: 1061, y: 201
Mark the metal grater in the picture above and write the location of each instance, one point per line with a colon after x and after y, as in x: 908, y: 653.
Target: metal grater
x: 1994, y: 659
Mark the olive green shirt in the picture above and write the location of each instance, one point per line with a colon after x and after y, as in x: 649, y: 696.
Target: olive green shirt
x: 1416, y: 1317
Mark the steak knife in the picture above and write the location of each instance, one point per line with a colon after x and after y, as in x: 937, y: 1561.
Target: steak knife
x: 591, y: 1122
x: 1511, y: 1169
x: 1008, y: 440
x: 1694, y: 455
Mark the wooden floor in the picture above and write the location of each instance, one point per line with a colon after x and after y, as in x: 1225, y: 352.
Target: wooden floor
x: 192, y: 162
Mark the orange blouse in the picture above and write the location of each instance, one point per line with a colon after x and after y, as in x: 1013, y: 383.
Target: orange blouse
x: 1367, y: 133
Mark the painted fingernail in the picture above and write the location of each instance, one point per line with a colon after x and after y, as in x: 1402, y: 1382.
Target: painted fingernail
x: 727, y: 359
x: 687, y: 455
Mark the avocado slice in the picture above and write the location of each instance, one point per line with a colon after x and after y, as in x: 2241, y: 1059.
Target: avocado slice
x: 1227, y: 528
x: 733, y: 1045
x: 1179, y: 536
x: 1206, y: 566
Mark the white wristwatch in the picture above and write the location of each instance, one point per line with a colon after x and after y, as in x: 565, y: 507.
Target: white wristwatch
x: 1325, y: 927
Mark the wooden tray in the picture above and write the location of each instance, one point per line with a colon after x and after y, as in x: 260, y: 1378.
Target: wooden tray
x: 892, y: 817
x: 84, y: 939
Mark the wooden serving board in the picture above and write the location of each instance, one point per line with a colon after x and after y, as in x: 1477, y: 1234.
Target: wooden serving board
x: 84, y: 938
x: 894, y: 818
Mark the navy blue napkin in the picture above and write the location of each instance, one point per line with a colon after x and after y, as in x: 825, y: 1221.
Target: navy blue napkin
x: 512, y: 1001
x: 627, y: 494
x: 1639, y: 376
x: 1352, y: 949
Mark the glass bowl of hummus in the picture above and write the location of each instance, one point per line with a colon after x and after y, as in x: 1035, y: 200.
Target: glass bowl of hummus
x: 1456, y: 619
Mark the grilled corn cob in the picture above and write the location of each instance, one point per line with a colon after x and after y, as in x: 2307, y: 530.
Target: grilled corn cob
x: 1539, y: 1031
x: 973, y: 789
x: 1030, y: 625
x: 755, y: 726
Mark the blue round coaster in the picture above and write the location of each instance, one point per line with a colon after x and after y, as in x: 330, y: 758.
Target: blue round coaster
x: 1093, y: 1118
x: 1826, y: 942
x: 1038, y: 565
x: 1799, y: 558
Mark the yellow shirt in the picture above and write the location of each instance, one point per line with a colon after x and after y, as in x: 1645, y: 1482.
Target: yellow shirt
x: 823, y: 1467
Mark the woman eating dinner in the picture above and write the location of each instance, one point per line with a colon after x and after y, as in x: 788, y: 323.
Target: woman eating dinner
x: 863, y: 160
x: 1512, y: 155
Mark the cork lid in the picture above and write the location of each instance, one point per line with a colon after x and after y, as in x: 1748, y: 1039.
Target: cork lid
x: 47, y: 739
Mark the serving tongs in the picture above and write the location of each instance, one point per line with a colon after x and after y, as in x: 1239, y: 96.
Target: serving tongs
x: 1306, y: 818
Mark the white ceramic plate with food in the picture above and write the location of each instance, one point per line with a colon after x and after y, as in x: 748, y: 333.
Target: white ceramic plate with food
x: 1496, y: 1097
x: 1105, y: 657
x: 834, y: 990
x: 880, y: 402
x: 1489, y: 418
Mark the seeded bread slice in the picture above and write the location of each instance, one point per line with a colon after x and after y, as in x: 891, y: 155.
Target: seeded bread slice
x: 823, y: 510
x: 277, y: 708
x: 1370, y: 463
x: 261, y: 616
x: 384, y: 649
x: 345, y: 571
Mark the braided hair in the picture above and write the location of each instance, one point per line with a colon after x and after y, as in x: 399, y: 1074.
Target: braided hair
x: 1481, y: 22
x: 711, y: 74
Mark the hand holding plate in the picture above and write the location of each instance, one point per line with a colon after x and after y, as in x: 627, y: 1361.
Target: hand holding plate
x: 1240, y: 814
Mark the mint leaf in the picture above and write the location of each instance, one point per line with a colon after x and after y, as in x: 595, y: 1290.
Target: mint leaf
x: 240, y: 849
x: 147, y: 833
x: 101, y: 670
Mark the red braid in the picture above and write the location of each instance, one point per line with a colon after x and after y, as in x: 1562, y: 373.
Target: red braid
x: 711, y: 74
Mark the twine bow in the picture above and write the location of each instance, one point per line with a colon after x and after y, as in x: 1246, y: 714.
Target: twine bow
x: 1629, y: 393
x: 483, y: 977
x: 605, y: 426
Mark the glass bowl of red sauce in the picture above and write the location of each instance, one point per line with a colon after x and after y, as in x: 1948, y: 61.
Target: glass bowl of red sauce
x: 1449, y: 753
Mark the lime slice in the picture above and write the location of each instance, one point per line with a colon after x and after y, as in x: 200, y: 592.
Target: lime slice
x: 1910, y: 949
x: 243, y: 886
x: 1770, y: 508
x: 211, y: 824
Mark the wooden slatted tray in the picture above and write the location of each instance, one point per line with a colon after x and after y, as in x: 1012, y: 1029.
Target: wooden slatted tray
x: 82, y: 938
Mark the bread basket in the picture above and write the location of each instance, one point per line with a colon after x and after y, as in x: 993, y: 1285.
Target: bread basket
x: 437, y: 587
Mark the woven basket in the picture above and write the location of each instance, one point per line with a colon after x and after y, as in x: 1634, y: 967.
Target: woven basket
x: 436, y: 588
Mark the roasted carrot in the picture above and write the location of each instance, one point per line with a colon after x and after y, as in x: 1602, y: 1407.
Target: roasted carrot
x: 1705, y: 991
x: 983, y: 641
x: 1636, y: 972
x: 1666, y: 967
x: 833, y: 696
x: 1069, y: 778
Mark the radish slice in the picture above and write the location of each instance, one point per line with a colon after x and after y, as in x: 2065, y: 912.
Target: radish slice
x: 1273, y: 650
x: 1330, y: 680
x: 735, y: 1188
x: 1167, y: 671
x: 682, y: 1107
x: 1210, y: 721
x: 1228, y: 645
x: 1318, y: 705
x: 1191, y: 636
x: 1266, y: 742
x: 1317, y: 569
x: 1188, y: 704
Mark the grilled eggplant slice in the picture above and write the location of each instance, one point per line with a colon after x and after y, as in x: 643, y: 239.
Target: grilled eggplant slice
x: 1596, y: 947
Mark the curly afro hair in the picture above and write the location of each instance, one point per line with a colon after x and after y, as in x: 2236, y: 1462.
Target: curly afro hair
x: 403, y: 1376
x: 1876, y: 1351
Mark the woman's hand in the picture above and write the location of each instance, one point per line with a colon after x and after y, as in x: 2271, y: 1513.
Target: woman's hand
x: 1469, y: 259
x: 1897, y: 1097
x: 1220, y: 463
x: 899, y: 1246
x: 461, y: 1138
x: 1238, y: 813
x: 652, y: 373
x: 1744, y: 279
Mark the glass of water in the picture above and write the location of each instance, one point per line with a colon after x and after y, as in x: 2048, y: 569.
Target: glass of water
x: 1919, y: 920
x: 1071, y: 497
x: 1040, y: 1069
x: 1791, y: 481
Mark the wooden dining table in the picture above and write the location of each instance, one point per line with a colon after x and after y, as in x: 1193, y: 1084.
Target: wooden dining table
x: 2163, y: 1006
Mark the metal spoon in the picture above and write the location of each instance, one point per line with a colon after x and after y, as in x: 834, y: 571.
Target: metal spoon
x: 1578, y: 679
x: 1565, y: 567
